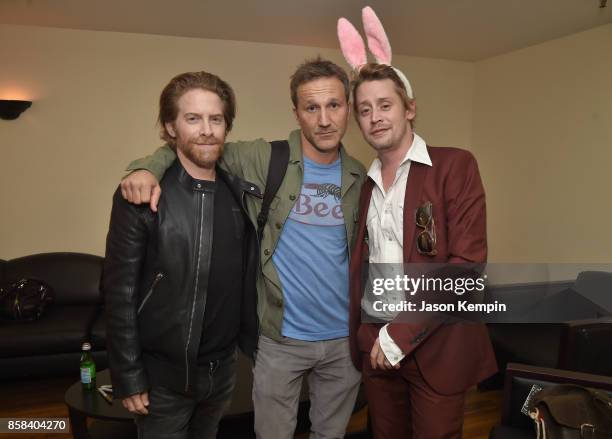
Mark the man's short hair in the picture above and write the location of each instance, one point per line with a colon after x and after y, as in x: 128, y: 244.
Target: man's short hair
x: 379, y: 72
x: 314, y: 69
x: 181, y: 84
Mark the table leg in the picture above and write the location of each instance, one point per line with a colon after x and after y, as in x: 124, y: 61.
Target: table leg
x: 78, y: 423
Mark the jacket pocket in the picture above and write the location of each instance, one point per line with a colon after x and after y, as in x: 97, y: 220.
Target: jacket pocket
x: 156, y: 280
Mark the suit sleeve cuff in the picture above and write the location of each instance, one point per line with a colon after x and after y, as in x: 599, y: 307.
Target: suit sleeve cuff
x: 391, y: 350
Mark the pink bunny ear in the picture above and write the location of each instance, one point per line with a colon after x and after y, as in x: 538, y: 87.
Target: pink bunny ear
x: 377, y: 38
x: 351, y: 44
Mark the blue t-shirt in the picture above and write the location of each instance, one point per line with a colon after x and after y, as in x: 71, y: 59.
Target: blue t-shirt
x: 311, y: 258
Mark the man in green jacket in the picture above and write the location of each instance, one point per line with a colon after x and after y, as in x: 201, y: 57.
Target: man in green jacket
x: 303, y: 283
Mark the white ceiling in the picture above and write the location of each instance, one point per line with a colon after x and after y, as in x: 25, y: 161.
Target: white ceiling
x: 466, y: 30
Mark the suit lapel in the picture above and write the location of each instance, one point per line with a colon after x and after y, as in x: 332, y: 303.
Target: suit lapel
x: 360, y: 252
x: 364, y: 204
x: 412, y: 198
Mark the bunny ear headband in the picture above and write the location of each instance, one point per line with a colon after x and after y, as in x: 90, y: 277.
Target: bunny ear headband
x: 353, y: 47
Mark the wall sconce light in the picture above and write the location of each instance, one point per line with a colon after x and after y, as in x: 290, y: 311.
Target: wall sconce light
x: 10, y: 110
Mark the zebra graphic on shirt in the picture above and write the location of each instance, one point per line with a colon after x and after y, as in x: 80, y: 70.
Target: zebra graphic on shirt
x: 325, y: 189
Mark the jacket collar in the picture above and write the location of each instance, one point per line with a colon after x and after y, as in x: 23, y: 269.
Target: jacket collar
x: 295, y: 146
x: 237, y: 185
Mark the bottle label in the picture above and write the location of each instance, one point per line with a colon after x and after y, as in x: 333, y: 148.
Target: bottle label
x: 86, y: 375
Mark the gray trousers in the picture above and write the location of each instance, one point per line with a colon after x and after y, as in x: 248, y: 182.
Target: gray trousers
x: 333, y: 382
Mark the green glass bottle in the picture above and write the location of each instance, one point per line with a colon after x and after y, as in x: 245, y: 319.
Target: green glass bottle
x: 88, y: 368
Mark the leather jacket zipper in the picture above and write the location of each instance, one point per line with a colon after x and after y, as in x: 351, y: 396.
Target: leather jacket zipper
x: 195, y: 293
x: 157, y: 278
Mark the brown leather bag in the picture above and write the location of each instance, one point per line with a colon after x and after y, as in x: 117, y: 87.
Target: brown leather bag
x: 566, y: 411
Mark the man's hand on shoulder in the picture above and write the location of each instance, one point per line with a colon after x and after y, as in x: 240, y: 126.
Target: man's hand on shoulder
x: 137, y: 403
x: 141, y: 187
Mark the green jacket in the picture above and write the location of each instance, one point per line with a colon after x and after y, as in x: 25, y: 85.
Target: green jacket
x: 249, y: 161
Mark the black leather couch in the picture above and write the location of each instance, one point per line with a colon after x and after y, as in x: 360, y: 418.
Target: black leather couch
x: 579, y: 344
x: 51, y: 345
x: 518, y: 382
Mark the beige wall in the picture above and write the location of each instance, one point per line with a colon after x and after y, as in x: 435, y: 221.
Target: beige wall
x: 543, y: 137
x: 94, y: 109
x: 538, y: 120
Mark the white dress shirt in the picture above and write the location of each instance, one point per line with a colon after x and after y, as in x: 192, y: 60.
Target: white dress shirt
x: 385, y: 224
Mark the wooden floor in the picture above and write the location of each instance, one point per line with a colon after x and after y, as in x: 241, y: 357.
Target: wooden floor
x: 45, y: 398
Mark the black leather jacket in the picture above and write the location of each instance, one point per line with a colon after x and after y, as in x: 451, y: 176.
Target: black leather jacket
x: 155, y: 281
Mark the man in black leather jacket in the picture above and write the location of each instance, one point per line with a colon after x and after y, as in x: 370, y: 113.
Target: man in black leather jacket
x: 179, y: 283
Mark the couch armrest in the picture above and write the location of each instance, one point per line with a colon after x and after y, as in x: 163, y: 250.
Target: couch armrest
x: 585, y: 346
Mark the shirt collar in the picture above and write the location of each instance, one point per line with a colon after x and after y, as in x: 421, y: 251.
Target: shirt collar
x: 416, y: 153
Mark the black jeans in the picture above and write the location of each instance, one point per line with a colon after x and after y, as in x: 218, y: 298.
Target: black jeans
x: 176, y: 415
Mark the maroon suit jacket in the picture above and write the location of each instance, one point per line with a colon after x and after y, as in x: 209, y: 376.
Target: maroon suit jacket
x: 453, y: 357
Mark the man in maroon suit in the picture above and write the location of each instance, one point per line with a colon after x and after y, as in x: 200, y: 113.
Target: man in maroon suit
x: 419, y: 205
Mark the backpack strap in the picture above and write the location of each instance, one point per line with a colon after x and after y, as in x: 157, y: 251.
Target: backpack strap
x: 279, y: 159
